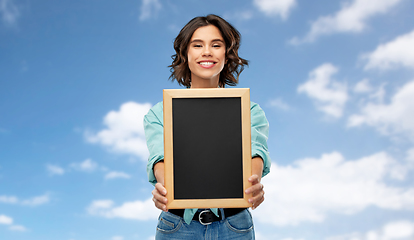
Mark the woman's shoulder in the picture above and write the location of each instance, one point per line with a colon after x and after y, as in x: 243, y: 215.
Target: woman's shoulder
x: 255, y: 106
x: 157, y: 106
x: 257, y: 112
x: 156, y: 109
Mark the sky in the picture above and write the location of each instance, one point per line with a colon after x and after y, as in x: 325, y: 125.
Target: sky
x: 335, y: 79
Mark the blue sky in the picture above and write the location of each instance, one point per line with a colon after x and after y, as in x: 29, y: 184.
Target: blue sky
x: 335, y: 79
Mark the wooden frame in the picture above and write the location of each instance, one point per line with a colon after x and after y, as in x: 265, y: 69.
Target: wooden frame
x: 175, y: 97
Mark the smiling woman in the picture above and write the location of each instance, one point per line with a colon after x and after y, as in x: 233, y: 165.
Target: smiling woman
x: 205, y: 39
x: 207, y: 57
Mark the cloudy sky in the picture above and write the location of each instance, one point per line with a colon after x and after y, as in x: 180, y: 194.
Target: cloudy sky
x: 336, y: 80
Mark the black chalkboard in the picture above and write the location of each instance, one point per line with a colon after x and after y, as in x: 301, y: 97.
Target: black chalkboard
x: 207, y: 147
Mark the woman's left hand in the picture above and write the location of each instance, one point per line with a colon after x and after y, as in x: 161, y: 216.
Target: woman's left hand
x: 256, y: 190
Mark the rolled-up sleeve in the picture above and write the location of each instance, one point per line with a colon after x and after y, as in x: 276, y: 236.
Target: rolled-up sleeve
x: 154, y: 134
x: 260, y: 133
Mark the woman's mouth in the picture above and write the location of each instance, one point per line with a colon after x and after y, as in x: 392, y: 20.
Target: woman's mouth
x: 207, y: 64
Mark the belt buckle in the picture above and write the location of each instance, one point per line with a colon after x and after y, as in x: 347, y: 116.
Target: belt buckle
x: 200, y: 218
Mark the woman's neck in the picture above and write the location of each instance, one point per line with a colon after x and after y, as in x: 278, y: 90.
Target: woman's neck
x: 205, y: 83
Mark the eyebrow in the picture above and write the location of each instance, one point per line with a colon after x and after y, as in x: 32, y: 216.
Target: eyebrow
x: 214, y: 40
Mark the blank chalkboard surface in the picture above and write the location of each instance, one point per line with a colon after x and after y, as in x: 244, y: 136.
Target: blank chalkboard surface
x: 207, y: 147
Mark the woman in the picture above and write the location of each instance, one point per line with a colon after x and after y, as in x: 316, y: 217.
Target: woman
x: 206, y: 57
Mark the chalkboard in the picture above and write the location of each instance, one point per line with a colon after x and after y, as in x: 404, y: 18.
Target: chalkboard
x: 207, y: 144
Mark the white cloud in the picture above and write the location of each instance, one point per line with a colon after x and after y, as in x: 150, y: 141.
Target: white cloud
x: 393, y: 118
x: 138, y: 210
x: 279, y: 103
x: 100, y: 204
x: 9, y: 12
x: 379, y: 94
x: 114, y: 174
x: 86, y: 166
x: 35, y: 201
x: 124, y: 131
x: 90, y: 166
x: 8, y: 199
x: 310, y: 189
x: 18, y: 228
x: 398, y: 230
x: 236, y: 15
x: 330, y: 96
x: 363, y: 86
x: 261, y: 236
x: 396, y: 53
x: 6, y: 220
x: 149, y: 8
x: 117, y: 238
x: 352, y: 18
x: 54, y: 170
x: 280, y: 8
x: 410, y: 155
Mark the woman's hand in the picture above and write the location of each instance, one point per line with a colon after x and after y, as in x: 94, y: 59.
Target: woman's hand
x: 256, y: 190
x: 159, y: 197
x: 159, y: 193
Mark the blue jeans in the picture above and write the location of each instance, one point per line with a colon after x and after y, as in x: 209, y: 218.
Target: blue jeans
x: 239, y: 226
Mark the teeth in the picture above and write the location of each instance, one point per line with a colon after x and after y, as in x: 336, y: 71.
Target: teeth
x: 206, y: 63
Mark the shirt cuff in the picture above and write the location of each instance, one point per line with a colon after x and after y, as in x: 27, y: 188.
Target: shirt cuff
x: 258, y: 151
x: 150, y: 168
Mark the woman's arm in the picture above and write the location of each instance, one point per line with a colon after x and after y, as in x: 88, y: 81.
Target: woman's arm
x: 260, y: 160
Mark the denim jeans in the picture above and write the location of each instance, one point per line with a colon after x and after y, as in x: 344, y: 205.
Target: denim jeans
x: 239, y: 226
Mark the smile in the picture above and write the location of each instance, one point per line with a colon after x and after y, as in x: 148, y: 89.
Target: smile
x: 207, y: 64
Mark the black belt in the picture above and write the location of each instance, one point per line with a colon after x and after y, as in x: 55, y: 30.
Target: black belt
x: 206, y: 217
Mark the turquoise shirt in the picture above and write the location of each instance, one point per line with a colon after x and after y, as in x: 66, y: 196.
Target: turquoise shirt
x: 154, y: 134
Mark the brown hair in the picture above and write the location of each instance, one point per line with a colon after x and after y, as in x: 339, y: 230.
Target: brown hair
x: 234, y: 64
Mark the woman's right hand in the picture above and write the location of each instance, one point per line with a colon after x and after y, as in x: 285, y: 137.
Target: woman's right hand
x: 159, y: 197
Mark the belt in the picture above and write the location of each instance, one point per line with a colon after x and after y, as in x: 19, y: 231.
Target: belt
x: 206, y: 217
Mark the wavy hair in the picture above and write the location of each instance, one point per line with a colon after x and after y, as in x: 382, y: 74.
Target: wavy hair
x: 234, y: 65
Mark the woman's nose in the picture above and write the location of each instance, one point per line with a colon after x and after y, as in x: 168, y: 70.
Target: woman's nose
x: 206, y: 51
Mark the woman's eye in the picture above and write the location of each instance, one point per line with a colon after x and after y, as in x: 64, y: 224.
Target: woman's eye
x: 216, y: 46
x: 197, y: 46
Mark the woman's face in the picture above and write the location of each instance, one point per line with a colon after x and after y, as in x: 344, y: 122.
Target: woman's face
x: 206, y: 57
